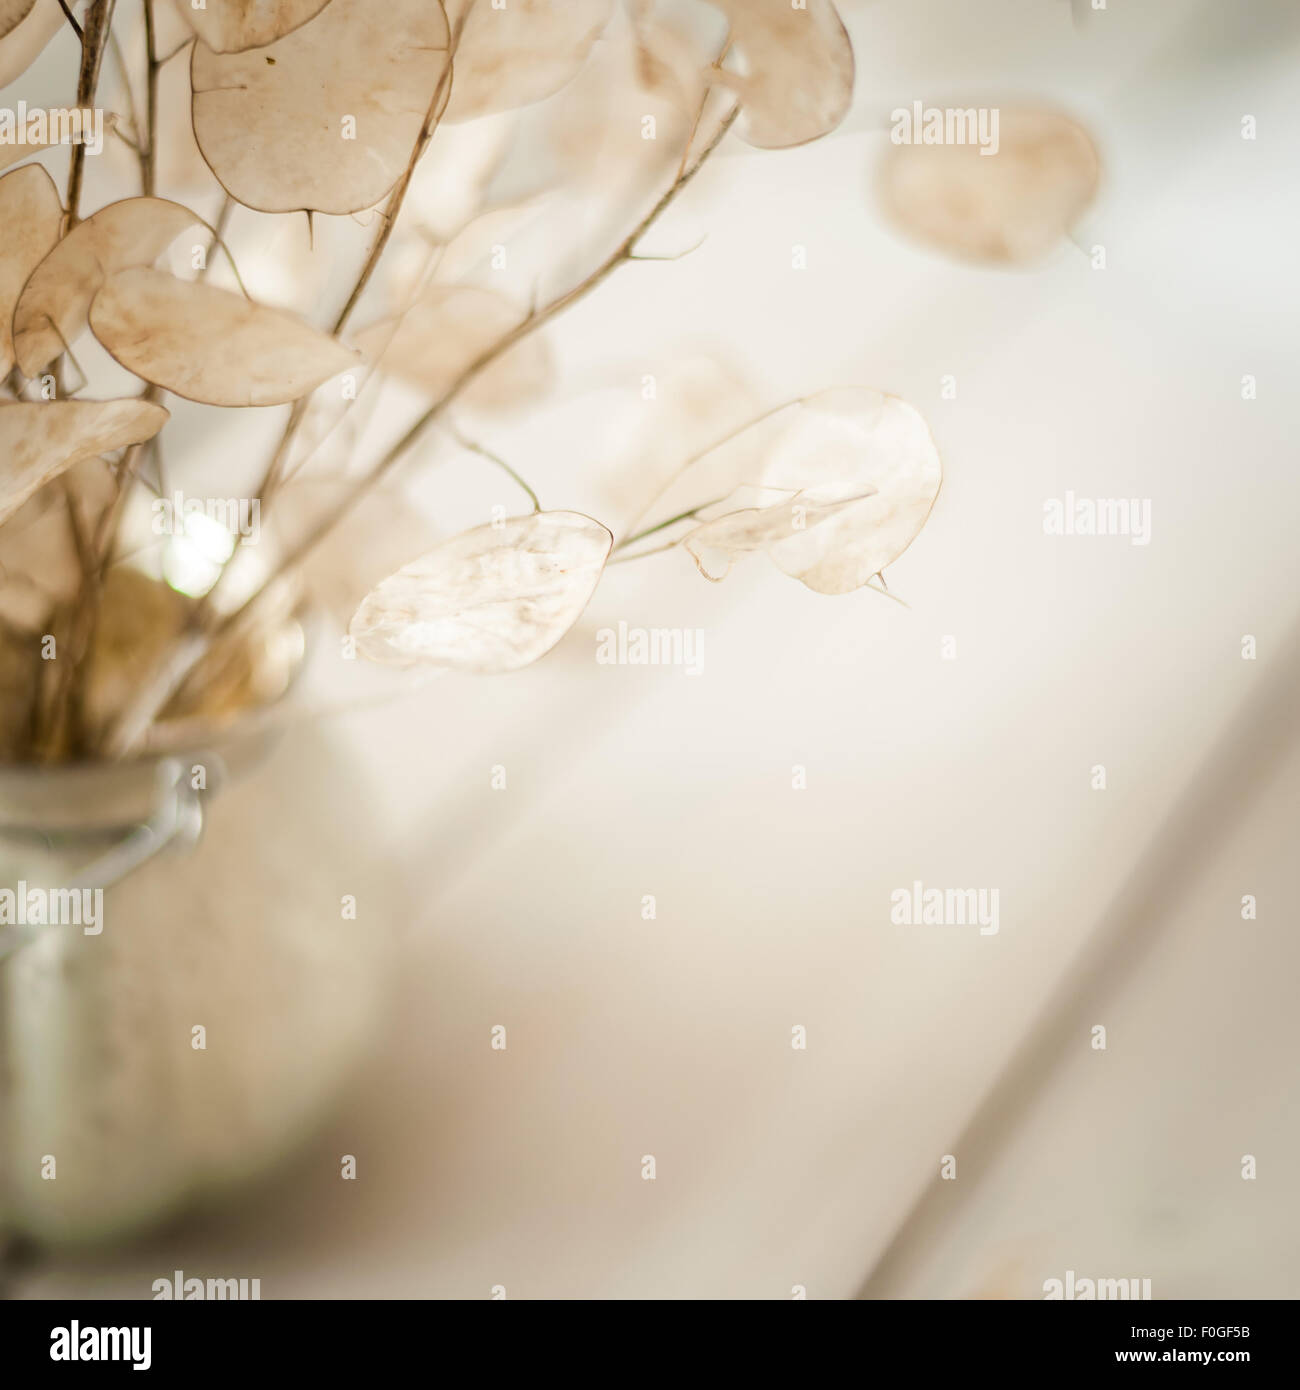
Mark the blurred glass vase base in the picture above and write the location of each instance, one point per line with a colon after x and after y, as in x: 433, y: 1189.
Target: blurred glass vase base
x: 185, y: 981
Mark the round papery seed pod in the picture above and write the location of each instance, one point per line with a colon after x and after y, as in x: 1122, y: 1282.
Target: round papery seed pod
x: 1005, y: 194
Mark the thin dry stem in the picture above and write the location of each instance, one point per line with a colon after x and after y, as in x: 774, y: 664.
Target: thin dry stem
x: 71, y: 18
x: 94, y: 42
x: 483, y: 452
x: 149, y: 137
x: 392, y: 207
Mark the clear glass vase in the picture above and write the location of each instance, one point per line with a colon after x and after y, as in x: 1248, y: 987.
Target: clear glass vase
x: 188, y: 1038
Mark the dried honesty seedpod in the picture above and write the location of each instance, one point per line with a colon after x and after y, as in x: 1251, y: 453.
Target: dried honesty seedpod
x: 520, y: 54
x: 446, y: 330
x: 51, y: 311
x: 595, y: 135
x: 30, y: 28
x: 860, y: 472
x: 646, y: 79
x: 324, y: 119
x: 759, y: 528
x: 12, y: 14
x: 230, y: 26
x: 1010, y: 206
x: 209, y: 345
x: 40, y: 440
x: 31, y: 213
x: 797, y: 82
x: 493, y: 599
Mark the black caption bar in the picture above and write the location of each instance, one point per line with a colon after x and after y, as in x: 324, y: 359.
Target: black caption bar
x: 148, y: 1338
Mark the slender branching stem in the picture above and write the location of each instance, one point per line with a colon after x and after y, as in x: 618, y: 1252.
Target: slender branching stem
x: 388, y: 220
x: 71, y: 18
x: 664, y: 525
x: 124, y: 77
x: 149, y: 138
x: 219, y: 241
x: 619, y: 558
x: 483, y: 452
x: 94, y: 42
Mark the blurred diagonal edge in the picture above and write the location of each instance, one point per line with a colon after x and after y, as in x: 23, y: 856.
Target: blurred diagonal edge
x: 1240, y: 765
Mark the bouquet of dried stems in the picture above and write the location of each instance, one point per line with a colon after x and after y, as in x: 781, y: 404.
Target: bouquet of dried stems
x: 309, y: 253
x: 448, y: 133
